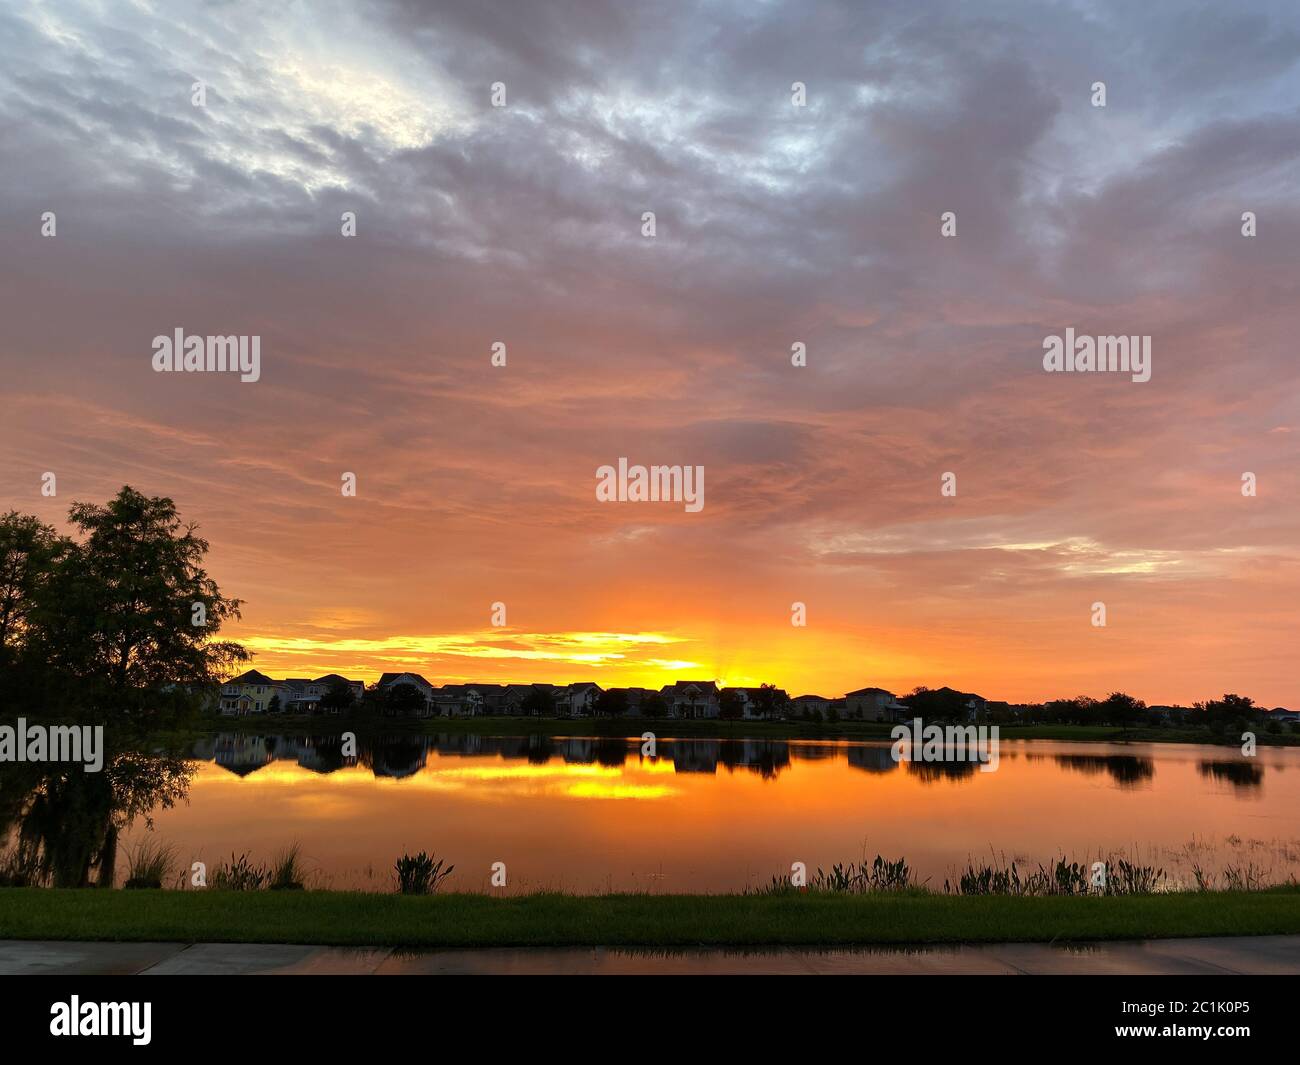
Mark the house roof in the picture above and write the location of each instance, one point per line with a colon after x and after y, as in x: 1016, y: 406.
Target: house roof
x: 251, y: 676
x: 388, y: 678
x: 945, y: 690
x: 872, y: 691
x: 583, y: 685
x: 679, y: 686
x: 329, y: 678
x: 810, y: 698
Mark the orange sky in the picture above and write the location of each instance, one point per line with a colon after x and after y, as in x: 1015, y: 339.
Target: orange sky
x: 775, y: 225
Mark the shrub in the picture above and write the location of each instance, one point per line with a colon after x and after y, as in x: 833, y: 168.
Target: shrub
x: 420, y: 875
x: 238, y: 875
x: 150, y: 864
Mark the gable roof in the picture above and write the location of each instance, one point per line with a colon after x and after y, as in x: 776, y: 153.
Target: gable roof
x: 251, y: 676
x: 871, y: 691
x: 388, y: 678
x: 678, y: 687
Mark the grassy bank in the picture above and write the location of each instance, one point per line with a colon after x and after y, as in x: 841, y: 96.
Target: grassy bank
x: 471, y: 920
x: 854, y: 730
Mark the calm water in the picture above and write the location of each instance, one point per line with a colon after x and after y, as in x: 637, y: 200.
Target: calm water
x: 710, y: 815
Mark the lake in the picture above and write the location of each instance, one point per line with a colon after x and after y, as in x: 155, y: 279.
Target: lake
x: 705, y: 815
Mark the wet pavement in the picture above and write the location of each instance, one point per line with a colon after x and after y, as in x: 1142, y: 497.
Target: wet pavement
x: 1161, y: 957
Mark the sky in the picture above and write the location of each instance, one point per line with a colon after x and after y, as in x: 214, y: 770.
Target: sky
x: 774, y: 224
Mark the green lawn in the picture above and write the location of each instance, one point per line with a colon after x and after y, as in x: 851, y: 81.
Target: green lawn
x: 470, y: 920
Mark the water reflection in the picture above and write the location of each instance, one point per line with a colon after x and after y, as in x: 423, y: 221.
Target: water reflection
x: 1126, y: 770
x: 60, y: 826
x: 404, y: 755
x: 590, y: 813
x: 1243, y: 776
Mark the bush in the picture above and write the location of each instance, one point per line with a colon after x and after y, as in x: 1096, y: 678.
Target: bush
x: 420, y: 875
x: 238, y: 875
x: 286, y: 870
x: 150, y: 864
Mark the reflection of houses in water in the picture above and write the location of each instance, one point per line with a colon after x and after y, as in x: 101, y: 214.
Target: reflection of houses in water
x: 398, y: 757
x: 813, y: 751
x: 462, y: 745
x: 577, y: 750
x: 692, y: 756
x: 766, y: 757
x: 872, y: 759
x: 242, y: 754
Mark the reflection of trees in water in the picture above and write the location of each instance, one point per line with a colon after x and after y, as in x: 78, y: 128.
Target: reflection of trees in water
x: 62, y: 824
x: 929, y: 772
x: 1245, y: 776
x: 611, y: 751
x: 765, y: 757
x: 1126, y: 770
x: 540, y: 749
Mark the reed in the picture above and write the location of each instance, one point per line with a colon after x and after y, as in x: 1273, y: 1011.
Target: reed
x: 419, y: 874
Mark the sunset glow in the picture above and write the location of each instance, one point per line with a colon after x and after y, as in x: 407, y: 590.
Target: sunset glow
x: 816, y: 225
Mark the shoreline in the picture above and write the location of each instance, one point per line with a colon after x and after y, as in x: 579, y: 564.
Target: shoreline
x: 670, y: 728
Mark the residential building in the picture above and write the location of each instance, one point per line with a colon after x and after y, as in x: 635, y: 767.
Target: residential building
x: 873, y: 704
x: 578, y: 699
x: 249, y: 693
x: 753, y: 702
x: 810, y: 704
x: 391, y: 680
x: 691, y: 698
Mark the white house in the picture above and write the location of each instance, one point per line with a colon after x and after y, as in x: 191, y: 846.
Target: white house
x: 691, y: 698
x: 391, y: 680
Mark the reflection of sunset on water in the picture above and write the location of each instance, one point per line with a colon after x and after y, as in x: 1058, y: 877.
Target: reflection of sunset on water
x: 712, y: 815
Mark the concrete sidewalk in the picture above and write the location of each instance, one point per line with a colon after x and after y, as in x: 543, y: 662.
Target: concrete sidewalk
x: 1165, y: 957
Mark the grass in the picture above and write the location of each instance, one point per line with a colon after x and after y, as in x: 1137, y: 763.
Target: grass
x: 552, y: 919
x: 150, y: 864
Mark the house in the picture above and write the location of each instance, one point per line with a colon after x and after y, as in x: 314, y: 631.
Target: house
x: 578, y: 699
x: 691, y: 698
x: 873, y: 704
x: 249, y: 693
x: 761, y: 702
x: 358, y: 687
x: 392, y: 680
x: 810, y: 704
x: 976, y: 705
x: 461, y: 700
